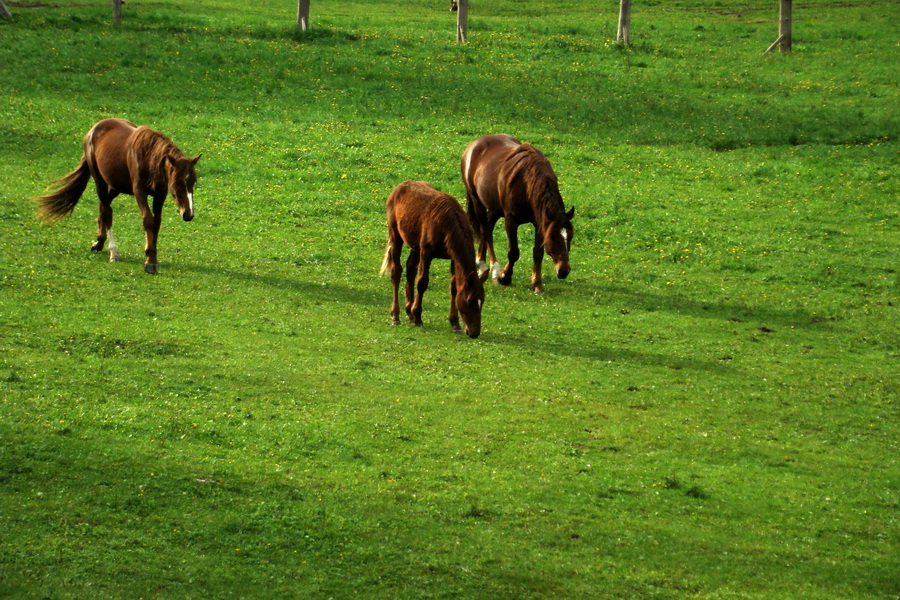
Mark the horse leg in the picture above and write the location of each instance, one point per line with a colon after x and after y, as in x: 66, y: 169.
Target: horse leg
x: 538, y: 255
x: 152, y: 219
x: 104, y: 222
x: 512, y: 234
x: 454, y: 312
x: 412, y: 268
x: 396, y: 273
x: 489, y: 241
x: 478, y: 218
x: 421, y: 286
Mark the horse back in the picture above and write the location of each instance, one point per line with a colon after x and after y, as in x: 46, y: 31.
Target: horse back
x: 423, y: 217
x: 482, y: 169
x: 106, y: 151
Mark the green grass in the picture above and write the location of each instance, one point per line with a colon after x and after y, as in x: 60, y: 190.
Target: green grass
x: 705, y: 408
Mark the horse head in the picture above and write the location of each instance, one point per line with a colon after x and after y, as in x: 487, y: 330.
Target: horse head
x: 182, y: 176
x: 469, y: 300
x: 558, y: 240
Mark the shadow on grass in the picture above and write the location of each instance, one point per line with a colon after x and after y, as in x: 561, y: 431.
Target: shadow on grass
x: 629, y: 299
x: 605, y: 354
x: 331, y: 291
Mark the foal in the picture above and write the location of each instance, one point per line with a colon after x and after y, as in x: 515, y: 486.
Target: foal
x: 433, y: 225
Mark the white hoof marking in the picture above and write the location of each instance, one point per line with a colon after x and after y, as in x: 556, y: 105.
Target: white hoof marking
x: 113, y: 248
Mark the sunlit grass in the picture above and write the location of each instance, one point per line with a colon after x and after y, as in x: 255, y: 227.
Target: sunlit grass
x: 705, y: 408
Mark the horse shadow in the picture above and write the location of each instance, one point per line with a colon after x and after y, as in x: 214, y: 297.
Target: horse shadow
x: 600, y: 354
x: 627, y: 300
x: 308, y: 289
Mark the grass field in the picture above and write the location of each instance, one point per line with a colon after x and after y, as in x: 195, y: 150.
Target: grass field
x: 706, y: 408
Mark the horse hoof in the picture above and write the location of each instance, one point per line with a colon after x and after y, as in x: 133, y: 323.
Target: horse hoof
x: 114, y: 258
x: 538, y: 291
x: 395, y: 322
x: 150, y: 268
x: 96, y: 247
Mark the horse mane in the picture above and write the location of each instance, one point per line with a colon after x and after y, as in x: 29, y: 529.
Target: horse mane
x: 149, y: 148
x: 459, y: 238
x: 541, y: 184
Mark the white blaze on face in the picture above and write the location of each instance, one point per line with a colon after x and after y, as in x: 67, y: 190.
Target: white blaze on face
x: 190, y: 198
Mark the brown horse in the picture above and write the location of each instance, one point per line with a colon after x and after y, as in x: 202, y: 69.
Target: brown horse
x: 126, y: 159
x: 509, y: 179
x: 433, y: 225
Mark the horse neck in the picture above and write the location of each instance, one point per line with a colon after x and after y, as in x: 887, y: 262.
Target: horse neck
x: 461, y: 248
x: 541, y: 187
x: 155, y: 148
x: 548, y: 203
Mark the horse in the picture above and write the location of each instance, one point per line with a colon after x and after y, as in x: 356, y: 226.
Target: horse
x: 433, y: 225
x: 126, y: 159
x: 509, y: 179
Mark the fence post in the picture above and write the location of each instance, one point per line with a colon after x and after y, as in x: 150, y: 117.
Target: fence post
x: 462, y: 21
x: 303, y: 14
x: 624, y: 22
x: 117, y: 12
x: 784, y: 26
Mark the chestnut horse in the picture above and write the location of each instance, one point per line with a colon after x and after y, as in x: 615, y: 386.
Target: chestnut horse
x: 509, y: 179
x: 433, y: 225
x: 126, y: 159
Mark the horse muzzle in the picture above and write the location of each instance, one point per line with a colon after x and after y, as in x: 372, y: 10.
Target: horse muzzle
x: 187, y: 215
x: 562, y: 271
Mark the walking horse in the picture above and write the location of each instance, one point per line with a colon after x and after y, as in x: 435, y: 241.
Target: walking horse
x: 433, y: 225
x: 509, y: 179
x: 126, y: 159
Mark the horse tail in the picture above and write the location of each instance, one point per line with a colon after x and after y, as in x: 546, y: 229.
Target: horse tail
x: 386, y: 263
x: 61, y: 202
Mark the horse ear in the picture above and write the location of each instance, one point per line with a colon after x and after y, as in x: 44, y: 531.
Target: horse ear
x: 170, y: 159
x: 196, y: 158
x: 571, y: 213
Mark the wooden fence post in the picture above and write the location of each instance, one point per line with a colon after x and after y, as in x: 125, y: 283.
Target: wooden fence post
x: 784, y: 29
x: 624, y: 22
x: 303, y: 14
x: 117, y: 12
x: 4, y: 12
x: 462, y: 21
x: 784, y: 26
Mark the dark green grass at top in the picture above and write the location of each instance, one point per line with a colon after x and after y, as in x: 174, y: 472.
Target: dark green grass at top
x: 361, y: 72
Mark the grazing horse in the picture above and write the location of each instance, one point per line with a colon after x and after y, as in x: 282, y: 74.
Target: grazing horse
x: 509, y: 179
x: 126, y: 159
x: 433, y: 225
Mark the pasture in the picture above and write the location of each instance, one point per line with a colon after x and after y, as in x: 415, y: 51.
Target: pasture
x: 705, y: 408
